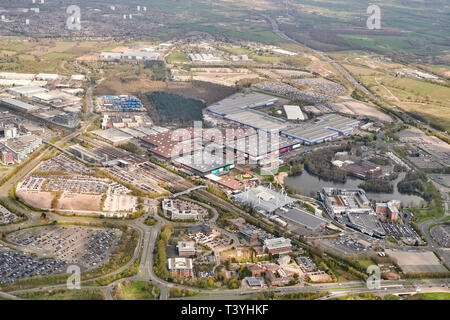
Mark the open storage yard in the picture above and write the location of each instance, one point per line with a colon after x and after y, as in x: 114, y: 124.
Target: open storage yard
x: 442, y: 235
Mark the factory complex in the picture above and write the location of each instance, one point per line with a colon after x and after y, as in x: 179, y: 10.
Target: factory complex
x: 130, y: 55
x: 242, y: 109
x: 49, y: 97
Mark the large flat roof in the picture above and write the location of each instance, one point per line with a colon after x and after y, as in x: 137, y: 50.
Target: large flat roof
x: 327, y: 126
x: 113, y: 135
x: 256, y: 120
x: 293, y: 112
x: 238, y: 102
x: 19, y: 104
x: 254, y: 145
x: 302, y: 218
x: 27, y: 90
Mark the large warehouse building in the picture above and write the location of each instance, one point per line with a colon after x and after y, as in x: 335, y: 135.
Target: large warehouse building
x: 302, y: 218
x: 240, y: 102
x: 256, y: 147
x: 326, y: 128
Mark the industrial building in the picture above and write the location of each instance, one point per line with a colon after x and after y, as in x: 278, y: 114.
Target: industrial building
x: 204, y: 57
x: 168, y: 145
x: 215, y: 164
x: 69, y: 120
x: 277, y: 246
x: 19, y: 105
x: 145, y: 56
x: 18, y: 76
x: 263, y: 199
x: 261, y: 146
x: 257, y: 120
x: 284, y: 52
x: 294, y: 113
x: 86, y: 154
x: 131, y: 55
x: 26, y: 91
x: 47, y: 76
x: 324, y: 129
x: 115, y: 136
x: 302, y: 218
x: 240, y: 102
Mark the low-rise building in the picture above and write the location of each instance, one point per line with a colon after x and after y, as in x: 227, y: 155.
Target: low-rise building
x: 278, y: 278
x: 176, y: 209
x: 180, y: 267
x: 255, y: 282
x: 391, y: 209
x: 186, y: 248
x: 277, y: 246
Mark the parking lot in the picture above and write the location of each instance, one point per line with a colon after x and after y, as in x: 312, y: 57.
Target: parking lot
x: 306, y: 263
x: 16, y: 265
x: 86, y: 247
x: 441, y: 234
x: 346, y: 245
x: 6, y: 216
x: 401, y: 232
x: 63, y: 163
x: 80, y: 184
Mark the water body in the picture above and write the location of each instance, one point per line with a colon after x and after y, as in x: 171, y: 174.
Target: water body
x: 308, y: 185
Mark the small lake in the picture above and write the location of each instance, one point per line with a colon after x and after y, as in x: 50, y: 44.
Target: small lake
x: 307, y: 185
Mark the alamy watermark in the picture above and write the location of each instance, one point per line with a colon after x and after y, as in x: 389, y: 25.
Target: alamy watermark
x: 374, y: 279
x: 74, y: 280
x: 73, y: 22
x: 374, y: 20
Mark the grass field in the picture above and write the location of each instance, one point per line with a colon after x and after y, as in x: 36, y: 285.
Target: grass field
x: 428, y: 100
x: 432, y: 296
x: 63, y: 294
x: 136, y: 290
x: 177, y: 56
x: 416, y: 30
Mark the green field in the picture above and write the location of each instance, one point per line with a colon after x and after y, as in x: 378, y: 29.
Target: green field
x: 432, y: 296
x: 136, y: 290
x: 65, y: 294
x: 177, y: 56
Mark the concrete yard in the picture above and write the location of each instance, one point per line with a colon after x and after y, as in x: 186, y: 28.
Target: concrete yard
x: 417, y: 262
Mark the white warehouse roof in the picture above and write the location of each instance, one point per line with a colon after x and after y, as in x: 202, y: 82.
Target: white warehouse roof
x: 294, y: 112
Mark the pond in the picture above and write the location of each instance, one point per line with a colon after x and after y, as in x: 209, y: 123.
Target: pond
x: 309, y: 185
